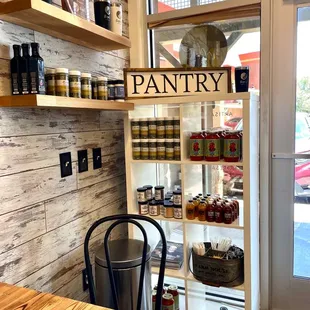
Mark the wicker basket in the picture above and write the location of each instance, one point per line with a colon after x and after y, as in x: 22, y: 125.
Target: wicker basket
x: 218, y: 272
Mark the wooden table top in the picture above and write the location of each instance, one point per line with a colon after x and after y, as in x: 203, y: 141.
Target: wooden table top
x: 17, y: 298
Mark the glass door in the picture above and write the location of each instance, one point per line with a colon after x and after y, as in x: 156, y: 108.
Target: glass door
x: 291, y: 156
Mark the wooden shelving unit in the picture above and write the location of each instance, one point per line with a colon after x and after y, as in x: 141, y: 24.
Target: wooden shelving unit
x: 196, y: 114
x: 43, y: 101
x: 51, y: 20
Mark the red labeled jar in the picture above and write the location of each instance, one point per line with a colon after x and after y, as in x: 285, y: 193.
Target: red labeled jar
x: 196, y: 146
x: 232, y: 146
x: 167, y: 302
x: 212, y: 143
x: 227, y: 214
x: 210, y: 211
x: 218, y: 213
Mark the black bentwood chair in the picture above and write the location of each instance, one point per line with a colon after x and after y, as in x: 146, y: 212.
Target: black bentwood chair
x: 126, y: 218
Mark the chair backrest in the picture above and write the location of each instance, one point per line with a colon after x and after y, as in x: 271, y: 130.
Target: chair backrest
x: 126, y: 218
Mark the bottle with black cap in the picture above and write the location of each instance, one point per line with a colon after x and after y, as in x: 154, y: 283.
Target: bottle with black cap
x: 24, y: 70
x: 15, y: 71
x: 103, y: 13
x: 36, y: 70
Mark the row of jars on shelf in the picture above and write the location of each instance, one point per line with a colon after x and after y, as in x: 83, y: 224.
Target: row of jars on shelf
x: 213, y: 209
x: 216, y: 144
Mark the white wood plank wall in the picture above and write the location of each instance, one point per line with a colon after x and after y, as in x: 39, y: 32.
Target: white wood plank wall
x: 44, y: 218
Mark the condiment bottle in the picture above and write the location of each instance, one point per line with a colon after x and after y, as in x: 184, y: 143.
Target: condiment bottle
x: 62, y: 82
x: 177, y: 149
x: 169, y: 211
x: 177, y: 212
x: 36, y: 71
x: 169, y: 127
x: 227, y: 212
x: 202, y: 211
x: 196, y: 146
x: 161, y: 149
x: 218, y: 213
x: 135, y: 128
x: 153, y: 208
x: 119, y: 90
x: 144, y: 128
x: 117, y: 18
x: 111, y: 90
x: 50, y: 82
x: 152, y: 149
x: 143, y: 207
x: 94, y: 87
x: 144, y: 149
x: 232, y: 146
x: 237, y: 204
x: 152, y: 127
x: 160, y: 128
x: 15, y: 71
x: 210, y: 211
x: 24, y: 70
x: 86, y: 85
x: 196, y: 203
x: 169, y: 149
x: 75, y: 84
x: 136, y: 149
x: 190, y: 210
x: 212, y: 146
x: 176, y: 127
x: 102, y: 88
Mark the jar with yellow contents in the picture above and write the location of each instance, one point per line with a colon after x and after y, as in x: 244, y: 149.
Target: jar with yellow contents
x: 86, y: 85
x: 62, y: 82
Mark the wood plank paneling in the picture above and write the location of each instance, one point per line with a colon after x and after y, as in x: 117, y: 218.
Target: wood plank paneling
x: 112, y: 120
x: 20, y: 190
x: 72, y: 206
x: 21, y: 226
x: 28, y: 258
x: 19, y: 154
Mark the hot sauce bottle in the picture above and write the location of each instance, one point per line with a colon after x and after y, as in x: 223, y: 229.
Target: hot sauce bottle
x: 202, y: 210
x: 237, y: 204
x: 227, y: 211
x: 232, y: 146
x: 210, y: 211
x: 190, y: 210
x: 212, y: 146
x: 218, y: 212
x: 196, y: 146
x: 196, y: 203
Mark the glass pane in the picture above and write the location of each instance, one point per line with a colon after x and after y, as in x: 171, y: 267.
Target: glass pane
x: 243, y: 47
x: 170, y: 5
x: 302, y: 146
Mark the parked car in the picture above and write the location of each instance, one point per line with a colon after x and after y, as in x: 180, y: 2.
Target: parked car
x: 233, y: 122
x: 233, y: 175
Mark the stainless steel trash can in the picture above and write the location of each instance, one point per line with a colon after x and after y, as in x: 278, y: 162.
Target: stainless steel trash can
x: 126, y: 259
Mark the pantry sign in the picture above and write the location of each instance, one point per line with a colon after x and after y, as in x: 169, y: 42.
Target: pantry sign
x: 166, y: 82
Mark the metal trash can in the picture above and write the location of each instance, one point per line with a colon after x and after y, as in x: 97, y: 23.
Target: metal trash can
x: 126, y: 259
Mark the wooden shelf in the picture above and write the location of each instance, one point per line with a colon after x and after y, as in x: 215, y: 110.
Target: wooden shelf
x: 189, y: 162
x: 172, y: 273
x: 43, y: 101
x: 51, y: 20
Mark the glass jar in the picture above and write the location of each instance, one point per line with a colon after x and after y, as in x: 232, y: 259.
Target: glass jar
x: 190, y: 210
x: 149, y: 192
x: 161, y: 204
x: 75, y: 83
x: 145, y: 149
x: 210, y: 211
x: 154, y: 209
x: 177, y: 197
x: 169, y: 149
x: 50, y: 82
x: 176, y: 127
x: 212, y: 146
x: 177, y: 212
x: 119, y: 90
x: 221, y: 133
x: 135, y: 128
x: 227, y: 214
x: 218, y: 213
x: 152, y: 128
x: 143, y: 207
x: 202, y: 211
x: 177, y: 149
x: 232, y: 146
x: 196, y: 146
x: 102, y: 88
x: 141, y: 194
x: 159, y: 192
x: 86, y: 85
x: 144, y: 128
x: 196, y: 203
x: 111, y: 90
x: 136, y: 149
x: 94, y: 88
x: 62, y: 82
x: 161, y: 149
x: 160, y: 128
x: 152, y: 149
x: 169, y: 212
x: 169, y: 127
x: 235, y: 200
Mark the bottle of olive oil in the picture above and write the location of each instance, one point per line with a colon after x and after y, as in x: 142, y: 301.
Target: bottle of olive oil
x: 24, y: 70
x: 15, y: 71
x: 36, y: 71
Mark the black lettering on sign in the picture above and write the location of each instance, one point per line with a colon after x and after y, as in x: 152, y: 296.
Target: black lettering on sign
x: 173, y: 86
x: 154, y: 85
x: 216, y: 81
x: 135, y: 82
x: 186, y: 75
x: 198, y: 75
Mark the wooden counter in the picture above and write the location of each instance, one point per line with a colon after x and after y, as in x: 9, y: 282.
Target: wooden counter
x: 13, y: 298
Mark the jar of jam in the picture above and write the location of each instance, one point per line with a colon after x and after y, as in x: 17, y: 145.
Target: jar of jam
x: 218, y: 212
x: 177, y: 212
x: 143, y: 207
x: 159, y: 192
x: 232, y: 146
x: 190, y: 210
x: 227, y: 214
x: 210, y: 211
x: 235, y: 200
x: 202, y: 208
x: 169, y: 210
x: 196, y: 146
x: 161, y: 206
x: 212, y: 143
x: 196, y: 202
x: 154, y: 208
x: 149, y: 191
x: 177, y: 197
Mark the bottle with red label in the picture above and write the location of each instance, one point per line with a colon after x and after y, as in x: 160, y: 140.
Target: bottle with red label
x: 233, y: 208
x: 218, y: 212
x: 167, y: 302
x: 212, y: 151
x: 196, y: 146
x: 210, y: 211
x: 232, y: 146
x: 235, y: 200
x: 227, y: 214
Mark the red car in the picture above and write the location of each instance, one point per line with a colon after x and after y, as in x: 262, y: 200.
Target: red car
x: 233, y: 122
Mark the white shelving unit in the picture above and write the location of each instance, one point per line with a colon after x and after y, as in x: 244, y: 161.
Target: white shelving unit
x: 196, y: 113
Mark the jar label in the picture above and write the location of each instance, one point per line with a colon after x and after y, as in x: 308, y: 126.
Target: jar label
x: 232, y: 148
x: 177, y: 200
x: 212, y: 148
x: 227, y: 215
x: 177, y: 213
x: 196, y: 147
x: 144, y: 209
x: 153, y: 210
x: 141, y: 196
x: 159, y: 194
x: 162, y: 210
x: 210, y: 213
x: 148, y: 194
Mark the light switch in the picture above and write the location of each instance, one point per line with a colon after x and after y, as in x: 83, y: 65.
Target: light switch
x: 65, y: 164
x: 83, y: 161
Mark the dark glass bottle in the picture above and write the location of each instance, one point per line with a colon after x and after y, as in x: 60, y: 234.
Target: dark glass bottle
x: 15, y: 71
x: 103, y: 13
x: 24, y: 70
x: 36, y: 70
